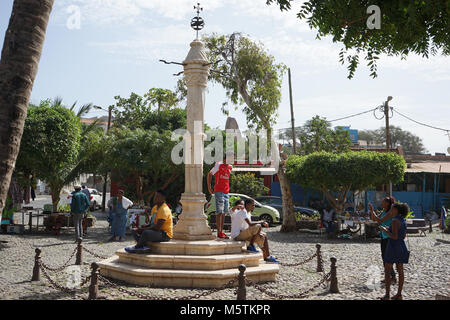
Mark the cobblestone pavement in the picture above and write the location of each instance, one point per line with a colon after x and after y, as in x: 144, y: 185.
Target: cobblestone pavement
x: 358, y: 262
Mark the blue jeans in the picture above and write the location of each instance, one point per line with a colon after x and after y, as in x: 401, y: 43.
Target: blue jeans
x: 222, y: 202
x: 150, y: 236
x: 329, y: 225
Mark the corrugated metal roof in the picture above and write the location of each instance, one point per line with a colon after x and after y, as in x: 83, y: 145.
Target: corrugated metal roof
x: 429, y: 167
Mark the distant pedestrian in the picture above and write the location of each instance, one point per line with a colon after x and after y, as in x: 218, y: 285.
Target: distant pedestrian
x: 328, y: 217
x: 78, y: 208
x: 120, y: 206
x: 396, y: 250
x: 86, y: 192
x: 33, y: 194
x: 385, y: 219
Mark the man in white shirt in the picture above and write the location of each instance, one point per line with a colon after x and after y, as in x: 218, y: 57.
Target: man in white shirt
x: 243, y: 229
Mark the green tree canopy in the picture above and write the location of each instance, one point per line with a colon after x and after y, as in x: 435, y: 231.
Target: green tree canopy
x: 248, y: 184
x: 249, y: 74
x: 420, y: 27
x: 138, y: 112
x: 337, y: 174
x: 317, y: 135
x: 399, y: 137
x: 50, y: 145
x: 140, y: 159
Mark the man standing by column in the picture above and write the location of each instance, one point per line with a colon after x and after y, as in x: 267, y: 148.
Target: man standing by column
x: 78, y: 208
x: 221, y: 172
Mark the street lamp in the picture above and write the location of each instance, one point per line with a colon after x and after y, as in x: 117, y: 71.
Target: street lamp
x: 109, y: 114
x: 106, y: 174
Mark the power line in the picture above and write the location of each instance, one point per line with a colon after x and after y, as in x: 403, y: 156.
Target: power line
x: 353, y: 115
x: 421, y: 123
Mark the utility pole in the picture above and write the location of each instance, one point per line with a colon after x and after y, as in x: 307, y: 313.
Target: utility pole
x: 106, y: 173
x: 386, y: 115
x: 388, y: 135
x: 294, y: 144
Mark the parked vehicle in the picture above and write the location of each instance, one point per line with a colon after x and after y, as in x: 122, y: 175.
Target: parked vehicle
x: 266, y: 213
x: 276, y: 203
x: 95, y: 199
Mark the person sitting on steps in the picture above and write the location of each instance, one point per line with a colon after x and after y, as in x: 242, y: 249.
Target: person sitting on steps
x: 243, y: 229
x: 160, y: 228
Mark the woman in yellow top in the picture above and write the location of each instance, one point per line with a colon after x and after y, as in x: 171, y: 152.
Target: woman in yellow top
x: 160, y: 228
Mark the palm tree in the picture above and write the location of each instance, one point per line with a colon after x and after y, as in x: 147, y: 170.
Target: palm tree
x: 22, y: 48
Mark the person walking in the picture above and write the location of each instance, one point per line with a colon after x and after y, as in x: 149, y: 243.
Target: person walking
x: 120, y: 206
x: 328, y: 217
x: 221, y: 173
x: 243, y: 229
x: 86, y: 192
x: 160, y: 228
x: 78, y: 208
x: 396, y: 250
x: 385, y: 219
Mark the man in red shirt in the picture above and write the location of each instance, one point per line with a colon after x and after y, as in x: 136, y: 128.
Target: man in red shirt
x: 221, y: 172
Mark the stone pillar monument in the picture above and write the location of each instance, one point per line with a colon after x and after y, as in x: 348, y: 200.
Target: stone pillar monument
x: 193, y: 223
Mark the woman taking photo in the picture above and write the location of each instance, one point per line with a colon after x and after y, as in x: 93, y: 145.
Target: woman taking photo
x: 396, y: 251
x: 385, y: 219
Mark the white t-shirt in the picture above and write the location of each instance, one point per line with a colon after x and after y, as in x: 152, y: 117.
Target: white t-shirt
x: 238, y: 222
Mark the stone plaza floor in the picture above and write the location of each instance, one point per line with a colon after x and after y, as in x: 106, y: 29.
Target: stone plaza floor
x: 358, y: 267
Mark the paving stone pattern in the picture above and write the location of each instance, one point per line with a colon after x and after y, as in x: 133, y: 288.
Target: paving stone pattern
x: 358, y: 261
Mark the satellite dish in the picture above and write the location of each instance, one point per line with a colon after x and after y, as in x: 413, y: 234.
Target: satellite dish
x: 448, y: 150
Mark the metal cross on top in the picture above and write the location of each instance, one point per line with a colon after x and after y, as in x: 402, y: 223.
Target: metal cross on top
x: 197, y: 23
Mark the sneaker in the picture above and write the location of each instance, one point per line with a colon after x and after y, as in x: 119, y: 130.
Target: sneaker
x: 252, y: 248
x: 222, y: 235
x: 272, y: 259
x: 130, y: 249
x: 141, y: 250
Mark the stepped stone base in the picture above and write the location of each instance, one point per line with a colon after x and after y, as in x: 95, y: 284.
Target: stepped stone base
x: 188, y: 264
x: 197, y: 248
x: 183, y: 278
x: 182, y: 262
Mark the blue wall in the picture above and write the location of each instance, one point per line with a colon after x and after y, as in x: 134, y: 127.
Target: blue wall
x: 417, y: 201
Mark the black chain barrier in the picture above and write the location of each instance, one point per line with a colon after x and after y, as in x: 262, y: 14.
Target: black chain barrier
x: 229, y: 284
x: 63, y: 266
x: 60, y: 287
x: 300, y: 295
x: 93, y: 254
x: 330, y: 276
x: 299, y: 263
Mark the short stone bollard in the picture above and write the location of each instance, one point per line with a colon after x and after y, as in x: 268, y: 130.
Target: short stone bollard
x: 93, y: 287
x: 319, y: 259
x: 333, y: 277
x: 36, y: 269
x: 241, y: 291
x: 79, y: 258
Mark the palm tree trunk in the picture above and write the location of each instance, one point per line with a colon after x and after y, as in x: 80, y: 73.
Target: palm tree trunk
x: 22, y: 48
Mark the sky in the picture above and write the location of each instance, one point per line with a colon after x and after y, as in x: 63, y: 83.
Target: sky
x: 98, y: 49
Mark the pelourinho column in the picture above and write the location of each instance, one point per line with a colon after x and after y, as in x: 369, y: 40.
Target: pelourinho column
x: 193, y: 223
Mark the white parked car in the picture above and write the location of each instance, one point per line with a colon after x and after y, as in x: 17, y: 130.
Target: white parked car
x: 96, y: 199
